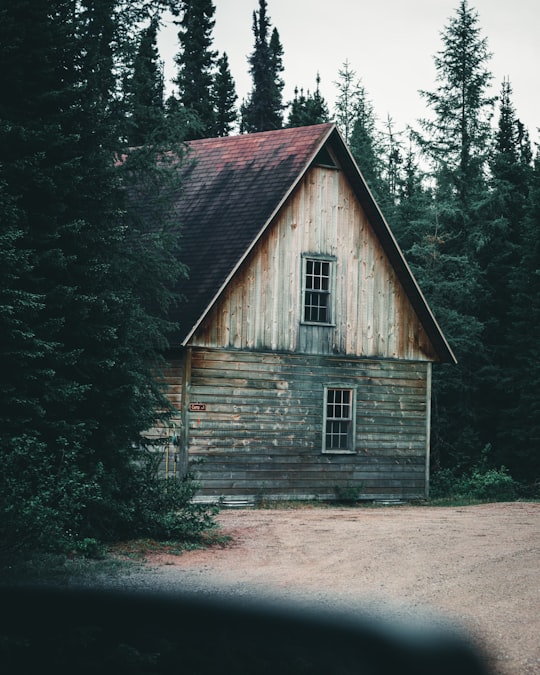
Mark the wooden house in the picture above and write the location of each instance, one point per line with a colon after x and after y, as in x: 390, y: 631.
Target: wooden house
x: 302, y: 367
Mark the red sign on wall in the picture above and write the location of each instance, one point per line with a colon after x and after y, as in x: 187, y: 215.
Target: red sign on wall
x: 197, y: 407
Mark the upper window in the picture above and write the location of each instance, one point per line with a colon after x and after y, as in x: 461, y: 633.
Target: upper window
x: 338, y: 420
x: 317, y: 290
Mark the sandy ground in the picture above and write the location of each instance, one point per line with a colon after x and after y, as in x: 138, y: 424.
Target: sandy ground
x: 477, y: 566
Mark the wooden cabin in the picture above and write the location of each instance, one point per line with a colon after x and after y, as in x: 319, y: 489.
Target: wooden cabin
x: 302, y: 368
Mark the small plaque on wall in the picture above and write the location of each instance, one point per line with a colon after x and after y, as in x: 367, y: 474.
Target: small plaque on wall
x: 197, y: 407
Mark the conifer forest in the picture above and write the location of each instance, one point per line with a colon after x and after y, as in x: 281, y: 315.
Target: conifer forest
x: 86, y: 291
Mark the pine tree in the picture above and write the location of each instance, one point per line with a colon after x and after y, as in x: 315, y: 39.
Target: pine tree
x: 365, y: 144
x: 506, y: 247
x: 456, y: 142
x: 145, y: 91
x: 196, y: 63
x: 224, y: 97
x: 458, y: 138
x: 392, y: 166
x: 306, y: 109
x: 86, y: 285
x: 346, y: 107
x: 356, y: 119
x: 413, y: 202
x: 522, y: 438
x: 263, y: 109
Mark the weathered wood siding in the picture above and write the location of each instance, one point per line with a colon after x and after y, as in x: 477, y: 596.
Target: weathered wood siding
x: 259, y: 433
x: 261, y: 308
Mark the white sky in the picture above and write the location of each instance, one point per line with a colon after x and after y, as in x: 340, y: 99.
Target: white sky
x: 390, y: 45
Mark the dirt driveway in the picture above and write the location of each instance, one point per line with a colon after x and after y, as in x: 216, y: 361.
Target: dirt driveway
x: 477, y: 565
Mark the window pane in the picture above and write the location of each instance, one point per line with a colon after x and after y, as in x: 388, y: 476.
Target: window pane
x: 316, y: 307
x: 338, y: 432
x: 338, y: 404
x: 317, y: 291
x: 337, y: 435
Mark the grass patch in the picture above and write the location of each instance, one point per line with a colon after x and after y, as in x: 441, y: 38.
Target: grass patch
x: 109, y: 563
x: 140, y: 549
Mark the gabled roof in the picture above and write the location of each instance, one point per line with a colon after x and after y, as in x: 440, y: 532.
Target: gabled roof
x: 231, y: 190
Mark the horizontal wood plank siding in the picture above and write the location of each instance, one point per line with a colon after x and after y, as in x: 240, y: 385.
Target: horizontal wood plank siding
x: 261, y: 308
x: 259, y: 433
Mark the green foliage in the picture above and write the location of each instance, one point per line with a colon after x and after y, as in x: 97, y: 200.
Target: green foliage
x: 263, y: 109
x: 224, y: 94
x: 356, y: 119
x: 42, y: 496
x: 470, y: 234
x: 88, y: 281
x: 481, y: 483
x: 306, y: 109
x: 196, y: 62
x: 164, y: 508
x: 145, y: 91
x: 348, y: 494
x: 445, y: 255
x: 59, y: 508
x: 502, y: 253
x: 457, y: 138
x: 350, y: 90
x: 206, y: 102
x: 521, y: 433
x: 493, y: 485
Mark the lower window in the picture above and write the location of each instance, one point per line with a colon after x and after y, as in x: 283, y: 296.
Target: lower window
x: 338, y: 430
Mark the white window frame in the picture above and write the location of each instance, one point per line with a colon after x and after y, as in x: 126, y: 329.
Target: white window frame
x: 350, y: 420
x: 329, y: 292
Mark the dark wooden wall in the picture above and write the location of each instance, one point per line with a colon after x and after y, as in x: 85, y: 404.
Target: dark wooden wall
x: 257, y: 424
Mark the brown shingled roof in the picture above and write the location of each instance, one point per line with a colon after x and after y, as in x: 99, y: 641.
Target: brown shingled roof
x: 231, y: 189
x: 233, y: 186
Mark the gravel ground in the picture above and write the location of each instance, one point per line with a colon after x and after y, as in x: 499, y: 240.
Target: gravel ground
x: 476, y: 567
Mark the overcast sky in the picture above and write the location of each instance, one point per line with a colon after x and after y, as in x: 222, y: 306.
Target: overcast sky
x: 390, y: 45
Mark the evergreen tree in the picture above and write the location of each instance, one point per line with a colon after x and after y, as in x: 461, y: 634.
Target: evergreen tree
x: 196, y: 62
x: 87, y: 286
x: 501, y: 251
x: 263, y: 109
x: 145, y: 91
x: 306, y: 109
x: 365, y: 144
x: 522, y: 438
x: 356, y: 119
x: 346, y: 107
x: 456, y: 141
x: 413, y: 202
x: 505, y: 248
x: 392, y: 160
x: 224, y: 97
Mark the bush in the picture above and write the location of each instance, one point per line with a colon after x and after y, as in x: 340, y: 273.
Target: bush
x: 491, y: 485
x: 140, y: 503
x: 41, y: 499
x: 48, y: 505
x: 480, y: 484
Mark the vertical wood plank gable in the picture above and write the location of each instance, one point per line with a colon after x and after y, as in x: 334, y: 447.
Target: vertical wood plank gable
x: 261, y: 307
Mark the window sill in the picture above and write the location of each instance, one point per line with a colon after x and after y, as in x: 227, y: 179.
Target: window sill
x: 338, y: 452
x: 318, y: 323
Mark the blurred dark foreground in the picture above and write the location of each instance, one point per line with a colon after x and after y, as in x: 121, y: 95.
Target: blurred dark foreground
x: 62, y: 630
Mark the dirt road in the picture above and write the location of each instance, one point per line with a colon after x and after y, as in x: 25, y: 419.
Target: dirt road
x: 477, y: 565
